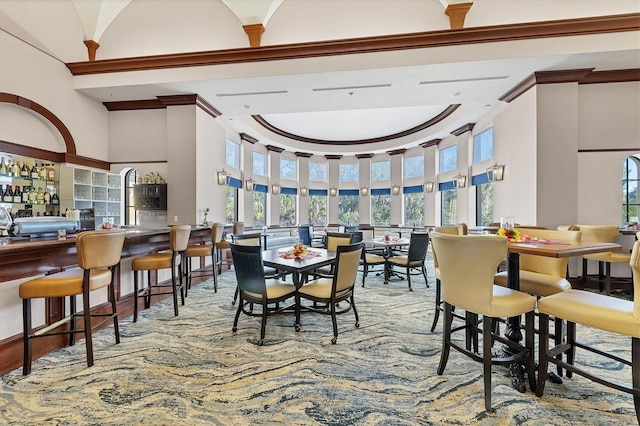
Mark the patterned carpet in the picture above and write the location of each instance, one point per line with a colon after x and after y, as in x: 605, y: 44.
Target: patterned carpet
x: 192, y: 370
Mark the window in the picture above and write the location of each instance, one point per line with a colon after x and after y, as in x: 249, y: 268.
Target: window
x: 449, y: 159
x: 231, y: 204
x: 259, y: 206
x: 318, y: 207
x: 381, y: 207
x: 349, y: 172
x: 381, y: 171
x: 414, y: 206
x: 130, y: 179
x: 449, y: 207
x: 630, y: 199
x: 484, y: 204
x: 483, y: 146
x: 288, y: 169
x: 348, y: 204
x: 318, y: 172
x: 233, y: 154
x: 288, y: 207
x: 259, y: 164
x: 414, y: 167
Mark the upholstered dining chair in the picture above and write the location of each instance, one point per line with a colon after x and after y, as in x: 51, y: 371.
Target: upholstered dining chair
x: 200, y: 251
x: 304, y: 234
x: 253, y: 239
x: 98, y: 252
x: 332, y: 241
x: 254, y: 288
x: 451, y: 230
x: 172, y: 259
x: 597, y: 311
x: 602, y: 234
x: 338, y: 288
x: 413, y: 259
x: 467, y: 267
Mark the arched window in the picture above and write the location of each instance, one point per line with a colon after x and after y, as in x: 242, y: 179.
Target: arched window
x: 630, y: 181
x: 130, y: 179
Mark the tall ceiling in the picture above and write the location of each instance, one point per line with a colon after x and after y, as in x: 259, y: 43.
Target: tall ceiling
x: 347, y: 103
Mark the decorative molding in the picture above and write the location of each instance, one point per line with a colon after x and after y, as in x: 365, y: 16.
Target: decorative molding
x: 420, y: 40
x: 333, y: 157
x: 254, y: 32
x: 397, y: 151
x: 456, y: 13
x: 57, y: 157
x: 583, y: 151
x: 463, y: 129
x: 162, y: 102
x: 432, y: 142
x: 434, y: 120
x: 92, y: 47
x: 359, y: 156
x: 248, y: 138
x: 275, y: 148
x: 46, y: 114
x: 612, y: 76
x: 303, y: 154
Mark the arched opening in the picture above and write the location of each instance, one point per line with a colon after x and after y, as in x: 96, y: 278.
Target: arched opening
x: 630, y: 198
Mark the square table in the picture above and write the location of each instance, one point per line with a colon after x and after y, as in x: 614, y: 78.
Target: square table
x: 298, y: 267
x: 388, y: 244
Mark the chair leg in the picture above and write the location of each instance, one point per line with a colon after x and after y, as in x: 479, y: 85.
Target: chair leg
x: 583, y: 279
x: 187, y: 274
x: 364, y: 273
x: 635, y: 374
x: 543, y: 347
x: 487, y: 343
x: 600, y: 276
x: 147, y: 298
x: 135, y: 296
x: 175, y: 291
x: 213, y: 271
x: 436, y: 315
x: 446, y: 338
x: 409, y: 278
x: 72, y: 323
x: 334, y: 321
x: 114, y: 311
x: 529, y: 325
x: 558, y: 331
x: 87, y: 323
x: 26, y: 337
x: 355, y: 311
x: 607, y: 279
x: 182, y: 284
x: 424, y: 274
x: 263, y: 324
x: 571, y: 340
x: 235, y: 321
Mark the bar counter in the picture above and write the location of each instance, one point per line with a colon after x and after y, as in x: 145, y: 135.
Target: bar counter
x: 22, y: 258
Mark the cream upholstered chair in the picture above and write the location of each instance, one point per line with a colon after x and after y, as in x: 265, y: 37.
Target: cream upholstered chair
x: 596, y: 311
x: 467, y: 266
x: 332, y: 241
x: 338, y: 288
x: 98, y: 252
x: 200, y: 251
x: 602, y: 234
x: 450, y: 230
x: 414, y: 258
x: 254, y: 289
x: 178, y: 242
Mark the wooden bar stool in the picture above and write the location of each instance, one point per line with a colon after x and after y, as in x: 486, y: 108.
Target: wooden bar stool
x: 178, y: 242
x: 98, y: 253
x: 203, y: 250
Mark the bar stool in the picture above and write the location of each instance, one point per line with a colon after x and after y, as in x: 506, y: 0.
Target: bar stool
x: 98, y: 253
x: 203, y: 250
x: 604, y: 234
x: 178, y: 242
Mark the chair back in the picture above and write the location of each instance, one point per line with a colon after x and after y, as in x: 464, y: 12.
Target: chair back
x: 599, y: 233
x: 568, y: 228
x: 635, y: 270
x: 249, y: 269
x: 246, y: 239
x: 347, y: 262
x: 238, y: 227
x: 179, y: 237
x: 335, y: 239
x: 304, y: 233
x: 217, y: 229
x: 468, y: 264
x: 547, y: 265
x: 356, y: 236
x: 99, y: 249
x: 450, y: 230
x: 418, y: 245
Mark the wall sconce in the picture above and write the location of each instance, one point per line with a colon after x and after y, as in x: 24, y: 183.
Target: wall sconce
x: 459, y: 181
x: 495, y: 173
x: 222, y: 177
x: 333, y: 191
x: 429, y: 186
x: 304, y: 191
x: 275, y: 188
x: 364, y: 191
x: 248, y: 184
x: 395, y: 189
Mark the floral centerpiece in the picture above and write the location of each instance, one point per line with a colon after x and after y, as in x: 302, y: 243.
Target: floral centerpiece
x: 299, y: 251
x: 511, y: 234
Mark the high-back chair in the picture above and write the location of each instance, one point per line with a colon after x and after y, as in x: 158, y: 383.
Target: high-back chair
x: 467, y: 266
x: 332, y: 241
x: 597, y: 311
x: 413, y: 259
x: 178, y: 242
x: 304, y: 234
x: 254, y: 289
x: 98, y: 252
x: 338, y: 288
x: 253, y: 239
x: 200, y: 251
x: 602, y: 234
x: 450, y: 230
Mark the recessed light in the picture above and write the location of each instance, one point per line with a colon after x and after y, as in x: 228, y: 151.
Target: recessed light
x: 455, y: 94
x: 247, y: 106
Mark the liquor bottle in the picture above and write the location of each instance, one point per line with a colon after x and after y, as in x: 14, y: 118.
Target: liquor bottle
x: 39, y: 196
x: 51, y: 172
x: 7, y: 196
x: 15, y: 169
x: 3, y: 168
x: 25, y: 194
x: 42, y: 172
x: 54, y: 198
x: 35, y: 174
x: 47, y: 197
x: 32, y: 195
x: 24, y: 171
x: 17, y: 195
